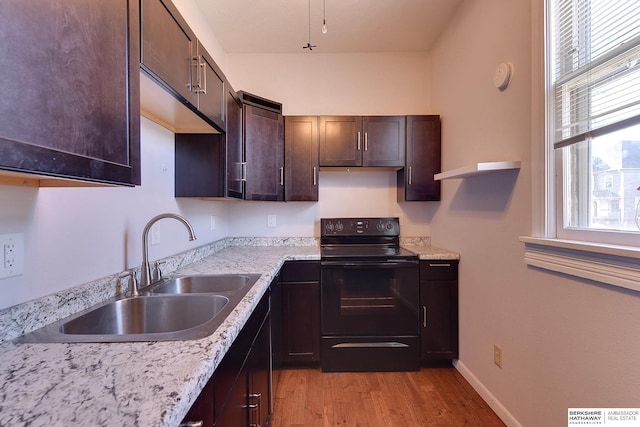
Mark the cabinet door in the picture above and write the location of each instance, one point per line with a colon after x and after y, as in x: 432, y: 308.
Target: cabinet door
x: 235, y: 146
x: 340, y: 141
x: 276, y: 334
x: 384, y: 141
x: 439, y: 306
x: 301, y: 158
x: 210, y: 88
x: 264, y: 154
x: 415, y: 181
x: 439, y: 339
x: 168, y: 48
x: 202, y: 409
x: 259, y: 397
x: 69, y: 80
x: 301, y: 322
x: 234, y: 412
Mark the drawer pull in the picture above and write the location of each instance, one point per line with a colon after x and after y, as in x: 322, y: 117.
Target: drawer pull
x: 439, y: 265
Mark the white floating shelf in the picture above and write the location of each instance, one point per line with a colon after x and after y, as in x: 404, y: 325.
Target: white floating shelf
x: 477, y: 169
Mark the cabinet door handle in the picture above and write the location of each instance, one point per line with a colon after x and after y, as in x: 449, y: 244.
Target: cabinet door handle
x: 424, y: 316
x: 358, y: 140
x: 193, y: 70
x: 409, y: 175
x: 315, y: 179
x: 257, y: 407
x: 191, y: 424
x: 282, y: 176
x: 366, y: 141
x: 244, y: 171
x: 203, y: 71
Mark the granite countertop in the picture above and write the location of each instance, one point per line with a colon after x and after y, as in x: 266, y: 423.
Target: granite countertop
x: 138, y: 383
x: 432, y: 252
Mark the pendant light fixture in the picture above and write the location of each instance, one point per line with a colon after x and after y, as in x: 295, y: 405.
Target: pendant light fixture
x: 309, y: 45
x: 324, y: 16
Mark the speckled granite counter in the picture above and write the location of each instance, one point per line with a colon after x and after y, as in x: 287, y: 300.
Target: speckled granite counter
x: 144, y: 383
x: 432, y: 252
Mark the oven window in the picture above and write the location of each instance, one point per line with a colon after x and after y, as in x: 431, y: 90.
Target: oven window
x: 370, y: 299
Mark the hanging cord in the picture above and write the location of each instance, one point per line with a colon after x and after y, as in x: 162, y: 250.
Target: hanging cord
x: 309, y: 45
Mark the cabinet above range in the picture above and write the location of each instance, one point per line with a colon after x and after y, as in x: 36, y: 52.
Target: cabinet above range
x: 354, y: 141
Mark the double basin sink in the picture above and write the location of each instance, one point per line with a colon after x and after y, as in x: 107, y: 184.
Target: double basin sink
x: 182, y: 308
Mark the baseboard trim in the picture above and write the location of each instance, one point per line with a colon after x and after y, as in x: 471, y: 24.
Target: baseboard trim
x: 488, y: 397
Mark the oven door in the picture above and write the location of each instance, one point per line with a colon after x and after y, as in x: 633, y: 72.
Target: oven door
x: 368, y: 298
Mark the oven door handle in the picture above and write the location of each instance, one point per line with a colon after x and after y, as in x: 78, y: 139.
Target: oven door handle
x: 375, y: 264
x: 389, y: 344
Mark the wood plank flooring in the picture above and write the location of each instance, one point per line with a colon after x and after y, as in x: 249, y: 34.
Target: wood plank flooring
x: 430, y: 397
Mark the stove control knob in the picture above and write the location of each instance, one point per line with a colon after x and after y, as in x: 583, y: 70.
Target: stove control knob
x: 329, y: 226
x: 380, y: 226
x: 389, y: 226
x: 339, y: 226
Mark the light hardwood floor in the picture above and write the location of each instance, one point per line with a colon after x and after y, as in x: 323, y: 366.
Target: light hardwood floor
x: 430, y: 397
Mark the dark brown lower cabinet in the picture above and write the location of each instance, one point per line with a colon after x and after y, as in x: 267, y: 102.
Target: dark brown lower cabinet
x: 439, y: 305
x: 238, y: 393
x: 300, y: 285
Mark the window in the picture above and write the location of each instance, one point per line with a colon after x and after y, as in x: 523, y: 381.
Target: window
x: 594, y: 119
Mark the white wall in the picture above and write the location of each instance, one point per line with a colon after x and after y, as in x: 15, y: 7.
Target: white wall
x: 567, y: 343
x: 341, y: 194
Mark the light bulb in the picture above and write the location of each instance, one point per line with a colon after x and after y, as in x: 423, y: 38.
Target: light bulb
x: 324, y: 28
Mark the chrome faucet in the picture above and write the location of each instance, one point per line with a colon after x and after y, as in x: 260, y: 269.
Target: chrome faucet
x: 145, y: 271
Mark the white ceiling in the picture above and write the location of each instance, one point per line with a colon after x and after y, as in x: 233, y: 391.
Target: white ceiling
x: 282, y: 26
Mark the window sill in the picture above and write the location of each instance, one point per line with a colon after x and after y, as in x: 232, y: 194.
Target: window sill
x: 610, y: 264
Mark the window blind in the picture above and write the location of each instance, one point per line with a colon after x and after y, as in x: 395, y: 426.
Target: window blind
x: 596, y: 67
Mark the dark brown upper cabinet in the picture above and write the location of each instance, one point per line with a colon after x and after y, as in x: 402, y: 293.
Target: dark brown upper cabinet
x: 415, y: 182
x: 177, y: 61
x: 210, y: 166
x: 375, y: 141
x: 301, y: 158
x: 199, y: 163
x: 69, y: 79
x: 235, y: 146
x: 255, y: 152
x: 263, y: 132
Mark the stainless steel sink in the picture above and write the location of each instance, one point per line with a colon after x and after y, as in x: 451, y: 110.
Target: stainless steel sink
x: 147, y: 315
x: 204, y: 284
x: 184, y: 308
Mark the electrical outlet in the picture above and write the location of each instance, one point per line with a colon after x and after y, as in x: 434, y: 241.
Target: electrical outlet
x: 155, y: 234
x: 271, y: 220
x: 213, y: 222
x: 497, y: 355
x: 11, y: 255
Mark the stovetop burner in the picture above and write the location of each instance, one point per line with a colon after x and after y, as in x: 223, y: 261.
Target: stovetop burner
x: 362, y: 238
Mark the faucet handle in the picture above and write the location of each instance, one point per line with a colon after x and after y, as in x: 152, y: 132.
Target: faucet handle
x: 133, y: 282
x: 157, y: 272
